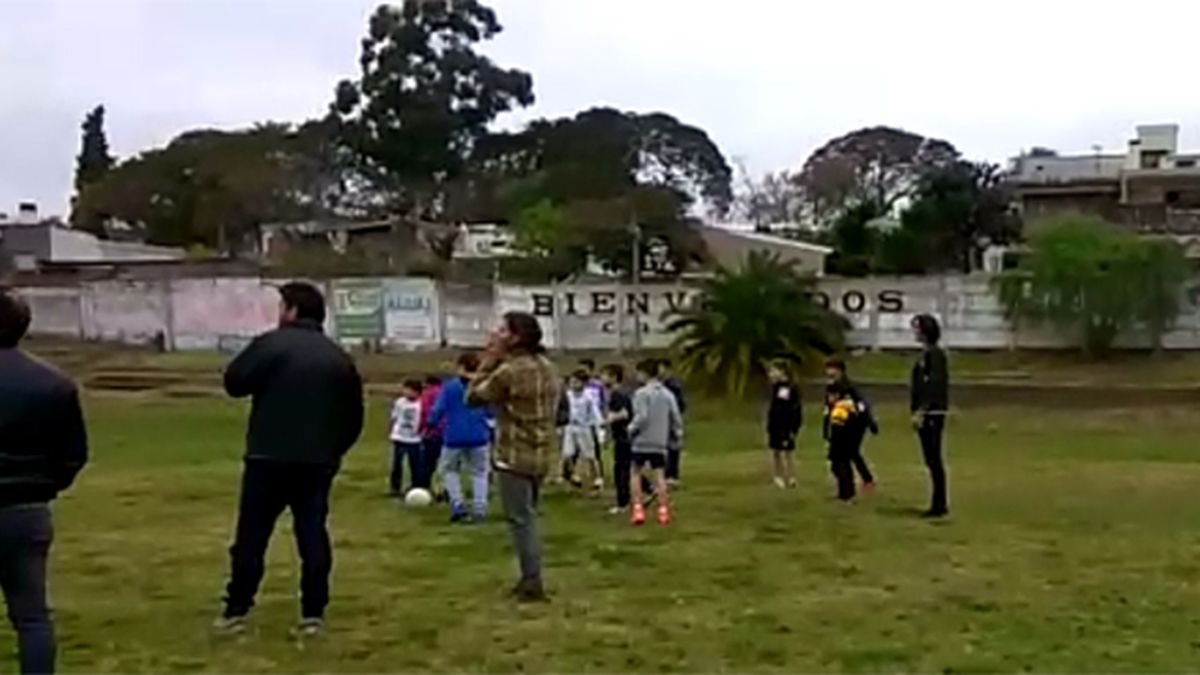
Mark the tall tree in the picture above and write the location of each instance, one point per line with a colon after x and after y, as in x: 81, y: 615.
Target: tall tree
x: 214, y: 188
x: 956, y: 209
x: 93, y: 161
x: 771, y: 200
x: 425, y: 97
x: 607, y: 170
x: 878, y: 165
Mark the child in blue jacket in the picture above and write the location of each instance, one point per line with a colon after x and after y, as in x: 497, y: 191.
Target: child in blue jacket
x: 466, y: 438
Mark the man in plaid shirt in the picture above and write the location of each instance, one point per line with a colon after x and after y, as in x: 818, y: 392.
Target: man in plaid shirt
x: 523, y: 388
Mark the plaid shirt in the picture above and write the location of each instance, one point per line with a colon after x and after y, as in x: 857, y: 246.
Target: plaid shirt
x: 524, y: 391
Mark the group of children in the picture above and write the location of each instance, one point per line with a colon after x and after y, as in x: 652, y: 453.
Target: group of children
x: 846, y: 420
x: 645, y: 425
x: 436, y: 432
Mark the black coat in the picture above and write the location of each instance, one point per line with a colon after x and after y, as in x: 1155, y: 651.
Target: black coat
x: 930, y: 387
x: 307, y: 396
x: 43, y: 443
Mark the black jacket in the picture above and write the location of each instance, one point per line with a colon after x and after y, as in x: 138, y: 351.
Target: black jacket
x: 786, y: 412
x: 675, y: 386
x: 858, y: 426
x: 307, y: 396
x: 43, y: 444
x: 930, y: 388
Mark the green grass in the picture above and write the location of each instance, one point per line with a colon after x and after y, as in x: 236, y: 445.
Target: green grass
x: 1125, y: 369
x: 1073, y: 547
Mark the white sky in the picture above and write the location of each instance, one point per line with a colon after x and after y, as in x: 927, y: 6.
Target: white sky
x: 770, y: 80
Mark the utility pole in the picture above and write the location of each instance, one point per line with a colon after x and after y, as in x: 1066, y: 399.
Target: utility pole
x: 636, y: 274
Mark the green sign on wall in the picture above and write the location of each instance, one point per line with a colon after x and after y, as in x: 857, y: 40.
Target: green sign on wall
x: 358, y: 309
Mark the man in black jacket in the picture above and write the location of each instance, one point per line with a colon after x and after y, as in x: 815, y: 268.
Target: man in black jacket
x: 930, y: 403
x: 307, y: 411
x: 43, y: 446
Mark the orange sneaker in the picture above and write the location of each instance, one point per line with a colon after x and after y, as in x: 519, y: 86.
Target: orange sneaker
x: 664, y: 516
x: 637, y: 515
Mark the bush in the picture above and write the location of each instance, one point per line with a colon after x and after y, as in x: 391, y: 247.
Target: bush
x: 748, y: 318
x: 1090, y: 279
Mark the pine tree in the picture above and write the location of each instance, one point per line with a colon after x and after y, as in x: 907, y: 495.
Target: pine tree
x: 93, y: 161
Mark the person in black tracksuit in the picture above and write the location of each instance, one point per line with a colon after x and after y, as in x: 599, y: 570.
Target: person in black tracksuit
x: 619, y: 414
x: 785, y: 414
x: 848, y: 418
x: 307, y: 412
x: 675, y: 451
x: 930, y: 403
x: 43, y: 445
x: 835, y: 374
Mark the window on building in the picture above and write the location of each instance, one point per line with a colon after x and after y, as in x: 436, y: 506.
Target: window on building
x: 1185, y: 163
x: 1153, y: 159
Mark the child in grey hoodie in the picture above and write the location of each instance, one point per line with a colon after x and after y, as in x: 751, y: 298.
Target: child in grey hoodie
x: 656, y: 424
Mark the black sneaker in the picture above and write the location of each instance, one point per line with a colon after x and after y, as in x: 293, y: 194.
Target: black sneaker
x: 530, y: 591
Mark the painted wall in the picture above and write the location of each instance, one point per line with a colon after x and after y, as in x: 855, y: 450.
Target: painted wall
x: 421, y: 314
x: 411, y: 313
x: 209, y: 313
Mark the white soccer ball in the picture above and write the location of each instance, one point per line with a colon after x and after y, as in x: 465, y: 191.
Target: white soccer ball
x: 418, y: 497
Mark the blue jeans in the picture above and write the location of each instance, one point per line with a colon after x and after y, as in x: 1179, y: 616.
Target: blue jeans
x: 25, y: 535
x: 454, y: 460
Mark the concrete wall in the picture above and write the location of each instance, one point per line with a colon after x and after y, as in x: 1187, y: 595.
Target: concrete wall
x: 467, y: 314
x: 57, y: 312
x: 208, y: 313
x: 421, y: 314
x: 132, y: 312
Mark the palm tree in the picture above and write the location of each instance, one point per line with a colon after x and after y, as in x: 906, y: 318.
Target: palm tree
x: 761, y: 313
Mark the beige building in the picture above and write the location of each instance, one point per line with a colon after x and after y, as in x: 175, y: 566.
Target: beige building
x: 1152, y: 187
x: 730, y: 246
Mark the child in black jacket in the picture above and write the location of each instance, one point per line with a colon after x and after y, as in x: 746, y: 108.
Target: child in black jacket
x: 848, y: 418
x: 784, y: 417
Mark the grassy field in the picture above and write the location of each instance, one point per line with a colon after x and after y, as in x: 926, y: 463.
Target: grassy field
x: 1073, y: 547
x: 1124, y: 369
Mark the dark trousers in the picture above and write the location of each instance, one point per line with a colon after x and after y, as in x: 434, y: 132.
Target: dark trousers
x: 431, y: 455
x: 860, y: 465
x: 841, y: 465
x: 411, y: 452
x: 673, y: 457
x: 622, y: 468
x: 930, y: 433
x: 622, y: 464
x: 519, y: 494
x: 267, y: 489
x: 25, y: 535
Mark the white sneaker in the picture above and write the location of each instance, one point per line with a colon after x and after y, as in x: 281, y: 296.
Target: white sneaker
x: 229, y: 625
x: 598, y: 483
x: 615, y: 511
x: 310, y: 627
x: 779, y: 483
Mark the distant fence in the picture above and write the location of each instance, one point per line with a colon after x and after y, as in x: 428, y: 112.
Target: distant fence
x: 405, y: 314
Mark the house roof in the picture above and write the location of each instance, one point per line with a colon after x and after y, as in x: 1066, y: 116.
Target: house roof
x: 766, y: 239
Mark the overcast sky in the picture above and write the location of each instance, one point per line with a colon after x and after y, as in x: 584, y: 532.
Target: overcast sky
x: 770, y: 80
